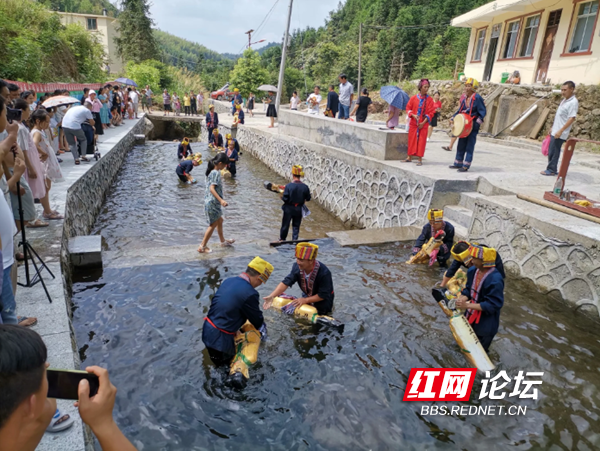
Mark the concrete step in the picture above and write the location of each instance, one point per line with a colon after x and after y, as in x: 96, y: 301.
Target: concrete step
x: 458, y: 215
x: 460, y: 233
x: 468, y: 199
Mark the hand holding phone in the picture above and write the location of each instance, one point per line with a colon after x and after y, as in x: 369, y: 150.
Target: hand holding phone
x: 96, y: 409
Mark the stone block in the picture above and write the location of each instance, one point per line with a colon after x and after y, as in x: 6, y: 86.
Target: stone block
x: 86, y: 251
x: 139, y: 139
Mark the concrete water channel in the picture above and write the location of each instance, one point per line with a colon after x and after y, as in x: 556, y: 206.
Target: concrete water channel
x: 141, y: 315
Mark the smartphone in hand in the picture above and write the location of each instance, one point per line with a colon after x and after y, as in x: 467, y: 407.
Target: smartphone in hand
x: 64, y: 384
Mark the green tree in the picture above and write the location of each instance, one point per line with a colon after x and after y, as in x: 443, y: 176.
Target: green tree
x: 248, y: 74
x: 136, y: 41
x: 143, y: 74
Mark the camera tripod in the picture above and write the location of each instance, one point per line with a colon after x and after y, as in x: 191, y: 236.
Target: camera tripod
x: 30, y: 254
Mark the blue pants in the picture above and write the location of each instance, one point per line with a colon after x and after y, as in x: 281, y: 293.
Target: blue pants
x: 554, y: 154
x: 466, y: 145
x: 9, y: 306
x: 344, y: 112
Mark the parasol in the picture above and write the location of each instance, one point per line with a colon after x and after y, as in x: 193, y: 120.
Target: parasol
x: 394, y: 96
x: 126, y: 81
x: 267, y: 88
x: 59, y: 100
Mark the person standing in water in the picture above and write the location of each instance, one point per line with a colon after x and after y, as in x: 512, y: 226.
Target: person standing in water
x: 483, y: 297
x: 213, y: 201
x: 313, y: 277
x: 232, y: 154
x: 235, y: 302
x: 295, y: 195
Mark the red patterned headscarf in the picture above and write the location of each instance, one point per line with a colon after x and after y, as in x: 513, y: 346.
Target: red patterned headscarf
x: 422, y: 82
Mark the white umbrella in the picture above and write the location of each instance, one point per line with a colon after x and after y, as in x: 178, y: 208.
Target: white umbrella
x: 59, y: 100
x: 267, y: 88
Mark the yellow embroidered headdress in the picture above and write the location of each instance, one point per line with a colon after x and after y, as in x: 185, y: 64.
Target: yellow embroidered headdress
x: 297, y: 170
x: 216, y: 131
x: 463, y: 256
x: 228, y: 136
x: 435, y: 215
x: 472, y: 82
x: 238, y: 107
x: 487, y: 254
x: 185, y: 141
x: 262, y: 267
x: 307, y: 251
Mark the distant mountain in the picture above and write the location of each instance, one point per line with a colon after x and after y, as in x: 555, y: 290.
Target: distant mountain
x: 268, y: 46
x: 177, y: 50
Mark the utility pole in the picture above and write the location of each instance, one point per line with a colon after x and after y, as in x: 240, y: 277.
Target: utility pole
x: 359, y: 55
x: 283, y: 56
x: 401, y: 66
x: 249, y: 33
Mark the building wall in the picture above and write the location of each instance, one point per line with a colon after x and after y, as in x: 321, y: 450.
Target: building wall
x: 106, y: 32
x: 579, y: 68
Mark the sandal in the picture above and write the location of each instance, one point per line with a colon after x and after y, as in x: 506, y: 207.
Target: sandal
x: 36, y: 224
x: 204, y: 250
x: 408, y: 160
x: 227, y: 243
x: 53, y: 215
x: 26, y: 321
x: 447, y: 148
x: 60, y: 422
x: 77, y: 162
x: 84, y: 159
x: 420, y: 163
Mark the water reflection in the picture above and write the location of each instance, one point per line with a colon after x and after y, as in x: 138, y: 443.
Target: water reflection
x: 321, y: 389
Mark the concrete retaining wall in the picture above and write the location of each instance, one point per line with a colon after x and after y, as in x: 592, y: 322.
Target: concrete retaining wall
x: 533, y: 244
x: 350, y: 136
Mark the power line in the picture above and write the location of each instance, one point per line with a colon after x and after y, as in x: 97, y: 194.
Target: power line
x: 262, y: 23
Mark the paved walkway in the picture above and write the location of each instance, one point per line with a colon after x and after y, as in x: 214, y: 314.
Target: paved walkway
x: 54, y: 323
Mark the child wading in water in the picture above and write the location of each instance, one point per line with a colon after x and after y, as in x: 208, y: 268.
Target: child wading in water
x: 213, y: 201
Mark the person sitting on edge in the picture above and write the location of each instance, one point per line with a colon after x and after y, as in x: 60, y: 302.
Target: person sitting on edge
x: 460, y: 252
x: 313, y: 277
x: 435, y: 224
x: 26, y: 411
x: 483, y: 297
x: 217, y: 139
x: 228, y: 138
x: 212, y: 122
x: 232, y: 154
x: 295, y: 195
x: 184, y: 170
x: 240, y: 113
x: 184, y: 150
x: 235, y: 302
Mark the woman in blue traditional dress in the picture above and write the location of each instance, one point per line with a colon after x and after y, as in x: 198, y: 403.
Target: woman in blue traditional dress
x: 213, y: 201
x: 104, y: 110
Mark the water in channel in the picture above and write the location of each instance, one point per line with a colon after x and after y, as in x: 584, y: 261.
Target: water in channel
x: 311, y: 389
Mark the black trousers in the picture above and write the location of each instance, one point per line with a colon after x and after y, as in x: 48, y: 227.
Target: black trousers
x: 183, y: 178
x: 486, y: 341
x: 219, y: 358
x: 194, y: 109
x: 294, y: 215
x: 186, y: 110
x: 210, y: 134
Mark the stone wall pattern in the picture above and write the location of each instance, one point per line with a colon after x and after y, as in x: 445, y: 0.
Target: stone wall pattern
x: 553, y: 265
x: 365, y: 197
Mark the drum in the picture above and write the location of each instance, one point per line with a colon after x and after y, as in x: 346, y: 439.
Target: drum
x: 462, y: 126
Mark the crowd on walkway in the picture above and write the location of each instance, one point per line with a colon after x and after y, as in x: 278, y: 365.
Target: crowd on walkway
x: 193, y: 104
x: 33, y: 136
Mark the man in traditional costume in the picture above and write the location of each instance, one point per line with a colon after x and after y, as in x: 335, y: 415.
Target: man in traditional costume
x: 473, y: 105
x: 313, y: 277
x: 235, y: 302
x: 420, y: 110
x: 483, y: 296
x: 462, y: 258
x: 295, y: 195
x: 217, y: 139
x: 212, y: 122
x: 435, y: 224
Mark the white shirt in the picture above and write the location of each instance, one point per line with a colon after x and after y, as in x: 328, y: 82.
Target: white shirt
x: 346, y: 90
x: 200, y: 99
x: 7, y: 232
x: 149, y: 92
x: 567, y: 109
x: 294, y: 101
x: 75, y: 116
x: 315, y: 109
x: 134, y: 97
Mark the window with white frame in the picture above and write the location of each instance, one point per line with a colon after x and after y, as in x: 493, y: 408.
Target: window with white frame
x: 479, y: 41
x: 530, y: 31
x: 510, y: 42
x: 583, y: 27
x: 91, y: 23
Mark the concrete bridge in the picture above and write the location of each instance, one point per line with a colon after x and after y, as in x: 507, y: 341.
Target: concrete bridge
x: 170, y: 127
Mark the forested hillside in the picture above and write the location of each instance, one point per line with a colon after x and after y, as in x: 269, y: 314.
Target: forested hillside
x: 388, y: 54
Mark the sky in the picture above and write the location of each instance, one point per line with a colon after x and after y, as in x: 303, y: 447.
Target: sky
x: 221, y: 25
